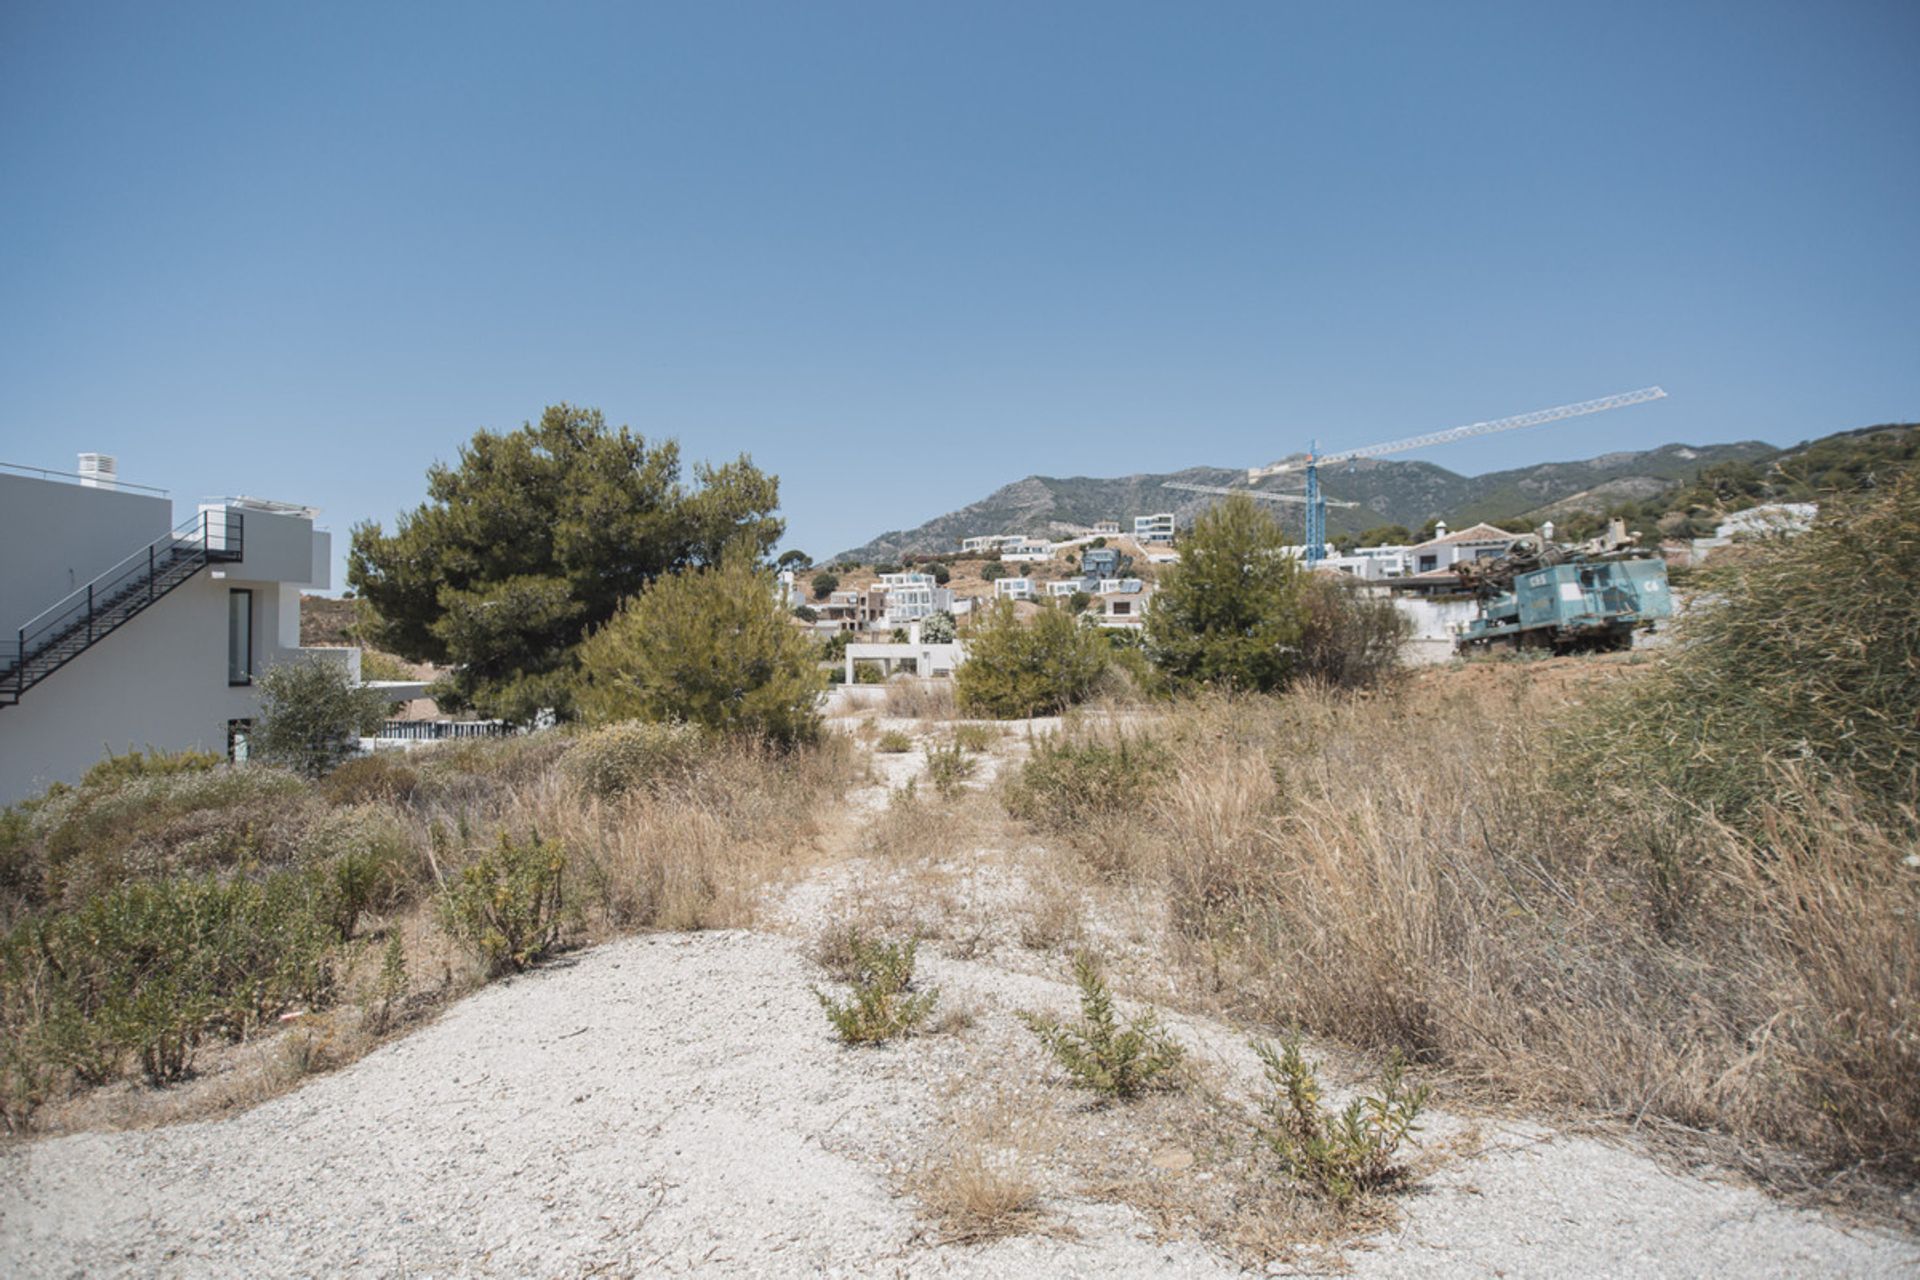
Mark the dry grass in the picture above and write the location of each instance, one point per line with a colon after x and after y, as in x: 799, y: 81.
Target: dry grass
x: 916, y: 698
x: 1410, y: 873
x: 694, y: 849
x: 983, y: 1182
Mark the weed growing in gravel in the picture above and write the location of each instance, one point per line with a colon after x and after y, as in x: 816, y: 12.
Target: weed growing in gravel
x: 893, y: 742
x: 979, y: 1195
x: 949, y: 767
x: 974, y: 737
x: 1099, y: 1054
x: 392, y: 986
x: 507, y: 905
x: 1342, y: 1156
x: 885, y: 1005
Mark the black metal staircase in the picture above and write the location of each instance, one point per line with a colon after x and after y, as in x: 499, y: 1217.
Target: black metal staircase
x: 92, y: 612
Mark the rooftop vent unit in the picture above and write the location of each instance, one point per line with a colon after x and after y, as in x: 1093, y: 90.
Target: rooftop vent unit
x: 99, y: 471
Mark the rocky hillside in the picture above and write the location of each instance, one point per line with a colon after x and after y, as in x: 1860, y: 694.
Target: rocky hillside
x: 1389, y: 492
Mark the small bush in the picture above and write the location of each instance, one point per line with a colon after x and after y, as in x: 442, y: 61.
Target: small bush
x: 710, y: 647
x: 380, y: 776
x: 312, y: 715
x: 149, y: 968
x: 1097, y: 1053
x: 1348, y: 640
x: 973, y: 737
x: 1345, y: 1156
x: 635, y: 755
x: 949, y: 767
x: 507, y: 905
x: 893, y: 742
x: 113, y: 770
x: 1014, y: 670
x: 1066, y: 782
x: 391, y: 988
x: 884, y: 1005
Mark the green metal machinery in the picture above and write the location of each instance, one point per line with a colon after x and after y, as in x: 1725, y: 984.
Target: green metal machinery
x: 1540, y: 595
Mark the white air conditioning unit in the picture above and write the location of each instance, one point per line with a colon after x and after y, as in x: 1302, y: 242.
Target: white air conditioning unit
x: 99, y: 471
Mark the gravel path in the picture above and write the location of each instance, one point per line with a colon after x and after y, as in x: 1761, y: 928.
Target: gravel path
x: 672, y: 1104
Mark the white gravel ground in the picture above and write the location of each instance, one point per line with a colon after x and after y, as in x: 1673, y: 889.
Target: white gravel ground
x: 673, y: 1104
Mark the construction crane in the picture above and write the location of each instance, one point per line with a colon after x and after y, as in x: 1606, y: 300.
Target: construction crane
x: 1316, y: 538
x: 1262, y: 494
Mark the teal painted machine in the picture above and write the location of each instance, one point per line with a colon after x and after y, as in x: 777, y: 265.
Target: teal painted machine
x: 1579, y: 603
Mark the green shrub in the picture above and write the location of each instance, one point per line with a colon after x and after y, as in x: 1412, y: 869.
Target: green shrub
x: 709, y: 647
x: 973, y: 737
x: 114, y: 770
x: 79, y: 841
x: 949, y: 767
x: 884, y: 1004
x: 1032, y: 670
x: 379, y: 776
x: 312, y: 715
x: 894, y: 742
x: 150, y: 967
x: 507, y: 905
x: 1100, y: 1055
x: 824, y: 584
x: 1803, y: 656
x: 391, y: 988
x: 1340, y: 1156
x: 1066, y: 781
x: 635, y: 755
x: 1348, y: 639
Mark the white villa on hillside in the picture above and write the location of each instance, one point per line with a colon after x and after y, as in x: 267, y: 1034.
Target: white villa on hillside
x: 129, y: 626
x: 1444, y: 550
x: 1154, y: 530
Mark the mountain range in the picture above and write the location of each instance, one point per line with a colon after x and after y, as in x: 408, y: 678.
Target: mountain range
x: 1386, y: 491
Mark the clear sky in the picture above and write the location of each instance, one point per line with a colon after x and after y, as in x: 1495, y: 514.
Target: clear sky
x: 903, y: 253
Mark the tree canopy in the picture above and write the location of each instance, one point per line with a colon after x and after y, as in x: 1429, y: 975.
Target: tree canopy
x: 1230, y: 613
x: 533, y: 539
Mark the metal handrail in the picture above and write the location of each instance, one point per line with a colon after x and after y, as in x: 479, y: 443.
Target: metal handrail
x: 191, y: 541
x: 99, y: 483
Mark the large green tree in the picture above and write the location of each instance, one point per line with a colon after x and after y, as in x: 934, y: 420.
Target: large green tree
x: 1231, y: 613
x: 533, y: 539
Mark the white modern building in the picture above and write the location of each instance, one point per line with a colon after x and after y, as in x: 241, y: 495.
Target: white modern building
x: 1026, y: 551
x: 1444, y: 550
x: 128, y: 626
x: 912, y: 597
x: 1369, y: 564
x: 1154, y: 530
x: 992, y: 541
x: 1013, y: 589
x: 1123, y: 602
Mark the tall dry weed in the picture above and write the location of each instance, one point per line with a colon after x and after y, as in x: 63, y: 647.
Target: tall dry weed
x: 1414, y: 873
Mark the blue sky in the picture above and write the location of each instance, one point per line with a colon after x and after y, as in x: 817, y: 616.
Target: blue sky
x: 903, y: 253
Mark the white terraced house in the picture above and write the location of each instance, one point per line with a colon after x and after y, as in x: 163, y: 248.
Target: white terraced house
x: 128, y: 626
x: 1154, y: 530
x: 912, y: 597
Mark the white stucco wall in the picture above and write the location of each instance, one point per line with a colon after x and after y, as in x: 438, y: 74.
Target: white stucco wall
x: 54, y: 537
x: 161, y: 679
